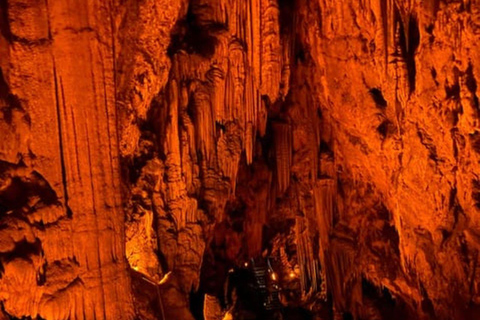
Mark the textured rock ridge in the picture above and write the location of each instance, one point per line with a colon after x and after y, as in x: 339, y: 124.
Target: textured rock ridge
x: 62, y: 225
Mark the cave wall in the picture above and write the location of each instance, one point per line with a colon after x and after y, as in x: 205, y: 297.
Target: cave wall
x: 62, y: 223
x: 175, y: 139
x: 400, y: 97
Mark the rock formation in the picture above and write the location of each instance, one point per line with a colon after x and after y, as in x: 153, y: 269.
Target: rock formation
x: 147, y: 147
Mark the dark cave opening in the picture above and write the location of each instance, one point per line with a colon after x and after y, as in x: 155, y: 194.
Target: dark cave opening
x: 197, y: 299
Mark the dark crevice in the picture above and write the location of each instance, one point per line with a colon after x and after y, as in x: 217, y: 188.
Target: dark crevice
x: 267, y: 142
x: 471, y: 84
x: 429, y: 31
x: 287, y: 18
x: 23, y: 250
x: 22, y: 192
x: 219, y: 128
x: 300, y: 55
x: 409, y: 41
x: 12, y: 101
x: 383, y: 303
x: 475, y: 141
x: 453, y: 91
x: 433, y: 72
x: 145, y: 152
x: 191, y: 110
x: 162, y: 259
x: 390, y: 233
x: 347, y: 316
x: 325, y: 149
x: 385, y: 129
x: 426, y: 304
x: 476, y: 193
x: 60, y: 138
x: 196, y: 304
x: 42, y: 275
x: 148, y: 146
x: 429, y: 144
x: 377, y: 96
x: 385, y: 22
x: 190, y: 36
x: 435, y: 7
x: 4, y: 22
x: 452, y: 201
x: 383, y: 213
x: 414, y: 41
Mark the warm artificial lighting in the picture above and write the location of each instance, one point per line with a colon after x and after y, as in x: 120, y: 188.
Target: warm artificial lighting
x: 339, y: 140
x: 165, y: 278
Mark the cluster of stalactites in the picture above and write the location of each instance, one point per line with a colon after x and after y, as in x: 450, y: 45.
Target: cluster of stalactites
x: 226, y: 91
x: 308, y: 261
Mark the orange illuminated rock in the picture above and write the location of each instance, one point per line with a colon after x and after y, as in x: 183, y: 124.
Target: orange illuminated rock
x: 179, y: 139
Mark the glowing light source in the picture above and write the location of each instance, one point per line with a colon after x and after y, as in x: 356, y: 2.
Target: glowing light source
x: 246, y: 264
x: 274, y: 276
x: 135, y: 268
x: 292, y: 274
x: 165, y: 278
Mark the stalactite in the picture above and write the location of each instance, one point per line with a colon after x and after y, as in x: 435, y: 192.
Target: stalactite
x: 323, y: 206
x: 301, y: 252
x: 236, y: 83
x: 216, y: 77
x: 287, y: 44
x: 172, y: 143
x: 254, y: 40
x: 204, y: 121
x: 271, y: 54
x: 283, y: 154
x: 309, y: 264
